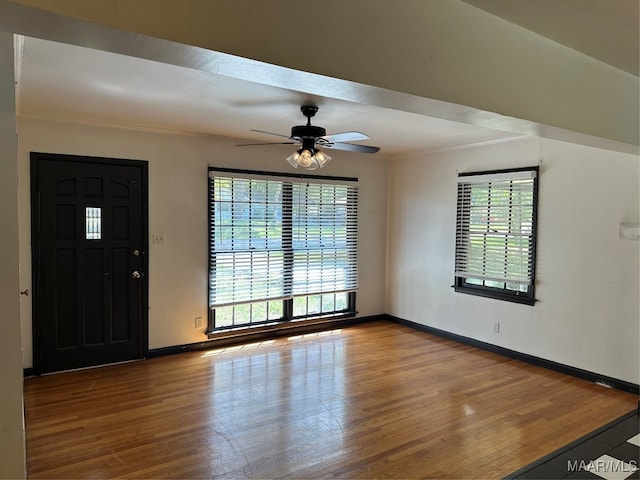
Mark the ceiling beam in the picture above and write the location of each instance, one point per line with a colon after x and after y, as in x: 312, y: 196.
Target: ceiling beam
x: 442, y: 58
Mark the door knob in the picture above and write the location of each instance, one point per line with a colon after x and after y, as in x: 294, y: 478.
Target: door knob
x: 136, y: 274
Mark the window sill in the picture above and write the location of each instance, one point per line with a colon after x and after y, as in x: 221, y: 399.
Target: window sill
x: 278, y: 327
x: 495, y: 295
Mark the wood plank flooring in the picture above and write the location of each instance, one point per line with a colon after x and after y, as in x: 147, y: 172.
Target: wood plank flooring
x: 377, y: 400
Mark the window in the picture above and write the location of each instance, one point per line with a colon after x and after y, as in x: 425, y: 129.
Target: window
x: 280, y: 248
x: 496, y: 234
x: 93, y: 223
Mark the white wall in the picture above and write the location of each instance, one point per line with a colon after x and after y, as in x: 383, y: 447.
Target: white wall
x: 587, y: 278
x: 12, y: 451
x: 587, y: 286
x: 178, y: 208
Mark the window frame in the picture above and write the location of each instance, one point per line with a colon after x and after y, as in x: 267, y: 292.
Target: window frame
x: 461, y: 285
x: 287, y: 303
x: 287, y: 316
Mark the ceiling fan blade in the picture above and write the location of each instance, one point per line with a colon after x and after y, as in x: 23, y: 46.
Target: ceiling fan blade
x: 353, y: 147
x: 268, y: 143
x: 271, y: 133
x: 345, y: 137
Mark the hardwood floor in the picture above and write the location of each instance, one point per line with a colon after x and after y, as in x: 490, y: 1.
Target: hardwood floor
x: 377, y: 400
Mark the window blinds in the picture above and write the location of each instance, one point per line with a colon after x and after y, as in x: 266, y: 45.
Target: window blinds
x: 324, y: 239
x: 274, y: 239
x: 494, y: 227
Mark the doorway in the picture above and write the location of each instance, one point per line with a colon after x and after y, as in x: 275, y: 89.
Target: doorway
x: 89, y: 243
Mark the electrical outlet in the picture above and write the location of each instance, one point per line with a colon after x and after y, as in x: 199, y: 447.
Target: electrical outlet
x: 199, y: 322
x: 496, y: 327
x: 158, y: 238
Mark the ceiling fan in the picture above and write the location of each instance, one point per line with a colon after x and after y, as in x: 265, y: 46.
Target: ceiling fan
x: 310, y: 137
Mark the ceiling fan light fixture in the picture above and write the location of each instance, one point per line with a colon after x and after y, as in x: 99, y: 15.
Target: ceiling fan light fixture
x: 322, y: 158
x: 306, y: 158
x: 309, y: 158
x: 293, y: 159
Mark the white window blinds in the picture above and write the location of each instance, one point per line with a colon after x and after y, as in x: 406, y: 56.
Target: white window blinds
x: 494, y: 227
x: 275, y: 239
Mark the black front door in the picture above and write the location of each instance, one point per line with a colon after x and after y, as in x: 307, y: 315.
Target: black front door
x: 89, y: 224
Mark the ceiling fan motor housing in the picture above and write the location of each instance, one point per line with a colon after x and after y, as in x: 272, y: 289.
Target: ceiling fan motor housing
x: 301, y: 132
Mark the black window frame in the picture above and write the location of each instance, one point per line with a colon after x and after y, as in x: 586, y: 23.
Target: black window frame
x: 287, y: 303
x: 461, y: 285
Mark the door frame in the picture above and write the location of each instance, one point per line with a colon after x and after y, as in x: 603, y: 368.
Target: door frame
x: 35, y: 157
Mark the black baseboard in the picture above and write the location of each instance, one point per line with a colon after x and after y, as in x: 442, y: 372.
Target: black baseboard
x: 342, y: 323
x: 540, y: 362
x: 286, y: 331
